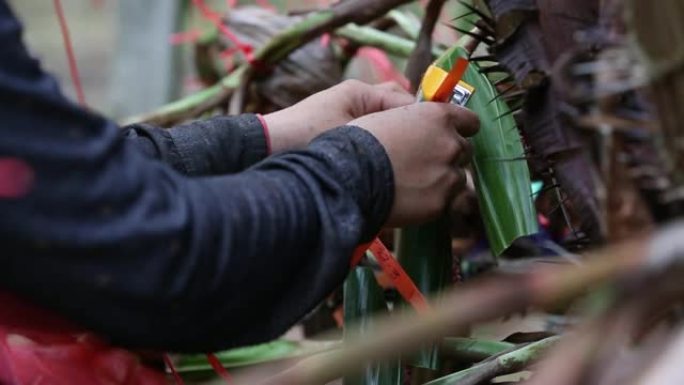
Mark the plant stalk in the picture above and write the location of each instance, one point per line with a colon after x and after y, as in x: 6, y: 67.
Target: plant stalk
x: 311, y: 27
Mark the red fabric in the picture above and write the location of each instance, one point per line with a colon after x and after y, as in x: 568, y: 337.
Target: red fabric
x: 38, y: 347
x: 16, y: 178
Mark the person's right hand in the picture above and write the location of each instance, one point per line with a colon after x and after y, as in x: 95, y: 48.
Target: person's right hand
x: 426, y: 146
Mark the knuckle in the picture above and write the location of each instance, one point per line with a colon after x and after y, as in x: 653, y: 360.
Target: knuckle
x: 436, y: 205
x: 469, y: 121
x: 452, y: 148
x: 461, y: 180
x: 448, y: 184
x: 442, y: 109
x: 432, y: 108
x: 438, y: 114
x: 450, y: 115
x: 391, y: 85
x: 451, y: 181
x: 352, y: 84
x: 465, y: 152
x: 476, y: 119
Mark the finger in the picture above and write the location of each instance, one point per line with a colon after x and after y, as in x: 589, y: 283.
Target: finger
x: 465, y: 153
x: 460, y: 182
x: 381, y: 98
x: 392, y: 86
x: 466, y: 122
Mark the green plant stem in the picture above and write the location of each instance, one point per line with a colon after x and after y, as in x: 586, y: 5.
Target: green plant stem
x: 277, y: 350
x: 409, y: 24
x: 371, y: 37
x: 198, y: 103
x: 363, y: 301
x: 425, y: 253
x: 506, y: 363
x: 473, y: 350
x: 193, y: 105
x: 312, y: 26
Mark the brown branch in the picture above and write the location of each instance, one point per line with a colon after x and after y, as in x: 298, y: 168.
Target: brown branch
x: 658, y: 34
x: 593, y: 350
x: 185, y: 109
x: 422, y: 55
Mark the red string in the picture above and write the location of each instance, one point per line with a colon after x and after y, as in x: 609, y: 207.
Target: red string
x: 383, y: 66
x: 169, y: 364
x: 215, y: 19
x: 265, y: 4
x: 402, y: 281
x: 183, y: 37
x: 393, y: 270
x: 325, y: 40
x: 218, y: 368
x: 73, y: 68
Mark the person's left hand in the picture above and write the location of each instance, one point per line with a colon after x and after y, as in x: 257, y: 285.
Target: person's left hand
x: 294, y: 127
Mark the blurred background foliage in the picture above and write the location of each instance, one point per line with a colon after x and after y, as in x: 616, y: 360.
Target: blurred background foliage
x: 121, y: 44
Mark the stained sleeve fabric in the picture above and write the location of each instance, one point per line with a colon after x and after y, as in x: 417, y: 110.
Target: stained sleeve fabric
x: 152, y: 255
x: 219, y: 145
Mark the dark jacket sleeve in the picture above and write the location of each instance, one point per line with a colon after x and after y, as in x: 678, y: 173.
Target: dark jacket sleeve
x: 220, y: 145
x: 126, y: 245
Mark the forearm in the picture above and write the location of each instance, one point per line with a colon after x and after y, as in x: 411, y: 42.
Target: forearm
x: 129, y: 247
x: 214, y: 146
x: 204, y: 263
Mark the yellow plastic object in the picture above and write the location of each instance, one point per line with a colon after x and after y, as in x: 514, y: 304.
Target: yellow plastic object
x: 433, y: 79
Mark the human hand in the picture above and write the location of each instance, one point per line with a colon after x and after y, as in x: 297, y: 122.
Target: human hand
x: 426, y: 145
x: 294, y: 127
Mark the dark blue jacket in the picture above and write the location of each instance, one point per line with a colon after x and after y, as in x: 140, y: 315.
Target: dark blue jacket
x: 188, y: 239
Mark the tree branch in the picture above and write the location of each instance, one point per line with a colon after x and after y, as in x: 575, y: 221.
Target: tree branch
x: 314, y: 25
x: 371, y: 37
x: 422, y: 55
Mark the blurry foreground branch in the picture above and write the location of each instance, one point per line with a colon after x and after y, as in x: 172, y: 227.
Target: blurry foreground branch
x: 477, y: 302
